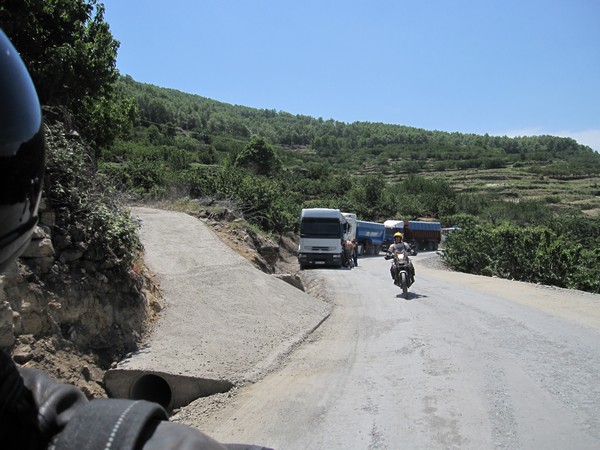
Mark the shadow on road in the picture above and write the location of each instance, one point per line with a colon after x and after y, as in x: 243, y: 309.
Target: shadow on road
x: 411, y: 296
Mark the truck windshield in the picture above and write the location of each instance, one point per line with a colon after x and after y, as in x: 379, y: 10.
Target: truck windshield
x: 324, y: 228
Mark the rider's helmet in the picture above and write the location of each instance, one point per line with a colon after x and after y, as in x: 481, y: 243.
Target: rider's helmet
x: 397, y: 235
x: 22, y: 154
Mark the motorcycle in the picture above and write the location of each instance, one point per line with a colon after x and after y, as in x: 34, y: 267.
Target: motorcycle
x: 401, y: 269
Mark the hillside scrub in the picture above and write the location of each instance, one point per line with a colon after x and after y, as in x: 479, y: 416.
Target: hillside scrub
x: 355, y: 147
x: 79, y: 298
x: 82, y: 199
x: 565, y: 253
x: 329, y: 159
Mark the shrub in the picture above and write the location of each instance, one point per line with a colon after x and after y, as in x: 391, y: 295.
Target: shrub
x: 534, y: 254
x: 85, y: 200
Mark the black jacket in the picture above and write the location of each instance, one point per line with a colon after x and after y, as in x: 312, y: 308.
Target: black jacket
x: 37, y: 413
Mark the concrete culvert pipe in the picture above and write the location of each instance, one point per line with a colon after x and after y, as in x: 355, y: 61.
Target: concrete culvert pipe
x: 167, y: 389
x: 154, y: 389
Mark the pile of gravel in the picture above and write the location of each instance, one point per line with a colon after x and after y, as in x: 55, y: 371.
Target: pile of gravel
x: 431, y: 260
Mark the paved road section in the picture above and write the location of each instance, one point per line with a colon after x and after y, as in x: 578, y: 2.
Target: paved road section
x: 225, y: 320
x: 467, y: 362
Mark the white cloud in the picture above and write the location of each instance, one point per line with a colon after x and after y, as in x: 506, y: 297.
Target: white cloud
x: 590, y: 137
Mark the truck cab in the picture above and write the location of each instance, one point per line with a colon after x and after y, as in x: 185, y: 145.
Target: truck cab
x: 322, y: 232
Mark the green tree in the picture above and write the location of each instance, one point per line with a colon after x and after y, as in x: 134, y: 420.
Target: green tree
x: 259, y: 157
x: 71, y: 55
x: 364, y: 195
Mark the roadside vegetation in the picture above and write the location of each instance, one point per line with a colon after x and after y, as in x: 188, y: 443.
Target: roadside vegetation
x: 563, y: 251
x: 75, y: 76
x: 528, y: 207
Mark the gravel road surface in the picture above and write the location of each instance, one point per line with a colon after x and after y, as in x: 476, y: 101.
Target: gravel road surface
x: 467, y: 362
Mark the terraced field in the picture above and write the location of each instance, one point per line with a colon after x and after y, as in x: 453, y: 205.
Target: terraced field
x: 579, y: 193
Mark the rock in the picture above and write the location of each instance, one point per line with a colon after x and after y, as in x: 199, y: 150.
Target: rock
x: 291, y: 279
x: 22, y: 354
x: 70, y: 255
x: 48, y: 218
x: 39, y: 233
x: 78, y: 233
x: 40, y: 265
x: 230, y: 215
x: 39, y: 248
x: 7, y: 337
x: 270, y: 252
x: 101, y: 277
x: 259, y: 262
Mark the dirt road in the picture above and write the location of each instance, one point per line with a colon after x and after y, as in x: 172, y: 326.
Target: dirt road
x: 465, y: 362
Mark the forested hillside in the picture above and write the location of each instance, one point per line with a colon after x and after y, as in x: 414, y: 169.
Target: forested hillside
x: 325, y: 159
x: 516, y: 198
x: 359, y: 146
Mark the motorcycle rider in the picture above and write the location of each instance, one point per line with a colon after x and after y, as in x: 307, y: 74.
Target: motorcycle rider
x: 397, y: 247
x: 36, y: 412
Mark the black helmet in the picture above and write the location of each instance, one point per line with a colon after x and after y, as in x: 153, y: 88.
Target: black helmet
x: 22, y: 154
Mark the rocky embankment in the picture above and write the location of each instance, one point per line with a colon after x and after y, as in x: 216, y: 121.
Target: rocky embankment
x: 68, y: 308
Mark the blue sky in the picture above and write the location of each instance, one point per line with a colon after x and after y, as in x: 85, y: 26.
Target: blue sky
x: 505, y: 67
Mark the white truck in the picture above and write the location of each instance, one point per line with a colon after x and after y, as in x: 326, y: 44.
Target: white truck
x: 322, y: 231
